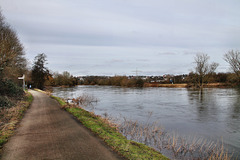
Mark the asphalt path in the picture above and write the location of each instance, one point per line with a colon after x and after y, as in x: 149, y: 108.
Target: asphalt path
x: 46, y: 132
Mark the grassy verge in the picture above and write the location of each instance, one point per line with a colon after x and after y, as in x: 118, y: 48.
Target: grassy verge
x: 45, y: 92
x: 10, y: 117
x: 127, y: 148
x: 60, y: 100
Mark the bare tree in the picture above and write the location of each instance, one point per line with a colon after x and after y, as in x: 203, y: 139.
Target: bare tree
x: 12, y: 60
x: 12, y: 63
x: 203, y: 69
x: 233, y: 58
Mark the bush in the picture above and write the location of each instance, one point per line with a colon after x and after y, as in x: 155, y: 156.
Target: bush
x: 9, y: 88
x: 139, y: 82
x: 5, y: 102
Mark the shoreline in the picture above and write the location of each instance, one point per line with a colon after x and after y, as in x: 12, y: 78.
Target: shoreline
x: 109, y: 133
x: 160, y: 85
x: 185, y: 85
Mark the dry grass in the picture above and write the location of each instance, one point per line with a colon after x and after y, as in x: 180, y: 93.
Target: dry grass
x: 84, y: 100
x: 10, y: 117
x: 172, y: 144
x: 209, y: 85
x: 166, y: 85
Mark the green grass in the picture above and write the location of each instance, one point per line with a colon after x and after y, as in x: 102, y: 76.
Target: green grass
x: 127, y: 148
x: 60, y: 100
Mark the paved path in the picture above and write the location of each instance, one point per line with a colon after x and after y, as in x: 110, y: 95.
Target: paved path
x: 47, y: 132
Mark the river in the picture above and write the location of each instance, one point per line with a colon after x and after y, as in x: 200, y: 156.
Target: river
x: 213, y: 113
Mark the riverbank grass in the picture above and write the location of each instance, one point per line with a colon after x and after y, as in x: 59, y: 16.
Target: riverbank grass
x: 127, y: 148
x: 10, y: 117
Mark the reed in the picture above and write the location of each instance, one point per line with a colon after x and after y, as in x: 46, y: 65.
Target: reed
x: 84, y: 99
x: 154, y: 135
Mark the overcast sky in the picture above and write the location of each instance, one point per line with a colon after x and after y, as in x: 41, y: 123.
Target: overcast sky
x: 116, y: 37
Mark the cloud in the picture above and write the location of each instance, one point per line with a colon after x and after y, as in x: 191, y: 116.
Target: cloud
x: 167, y: 53
x: 124, y: 34
x: 144, y: 60
x: 115, y: 61
x: 87, y: 23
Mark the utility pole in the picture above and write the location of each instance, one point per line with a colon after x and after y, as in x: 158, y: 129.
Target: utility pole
x: 137, y: 71
x: 23, y: 78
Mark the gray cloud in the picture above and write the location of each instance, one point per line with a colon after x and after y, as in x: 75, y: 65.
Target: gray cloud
x: 176, y: 24
x: 127, y: 34
x: 167, y: 53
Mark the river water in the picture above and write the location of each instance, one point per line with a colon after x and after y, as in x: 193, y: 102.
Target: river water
x: 213, y: 113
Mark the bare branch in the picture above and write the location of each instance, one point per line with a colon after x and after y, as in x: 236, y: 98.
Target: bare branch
x: 203, y: 69
x: 233, y: 58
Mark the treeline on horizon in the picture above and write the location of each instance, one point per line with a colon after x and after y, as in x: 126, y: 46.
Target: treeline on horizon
x: 229, y: 79
x: 96, y: 80
x: 204, y: 73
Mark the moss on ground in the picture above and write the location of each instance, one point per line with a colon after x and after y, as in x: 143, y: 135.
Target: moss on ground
x: 127, y: 148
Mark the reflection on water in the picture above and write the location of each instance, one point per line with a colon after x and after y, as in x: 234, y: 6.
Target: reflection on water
x: 205, y: 103
x: 236, y: 107
x: 210, y: 113
x: 218, y: 112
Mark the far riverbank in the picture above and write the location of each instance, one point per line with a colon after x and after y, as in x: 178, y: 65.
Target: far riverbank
x: 182, y: 85
x: 185, y: 85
